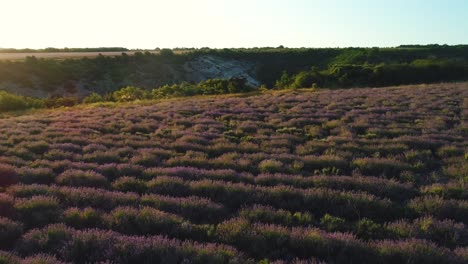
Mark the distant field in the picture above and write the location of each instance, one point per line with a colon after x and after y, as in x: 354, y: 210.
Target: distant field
x: 66, y: 55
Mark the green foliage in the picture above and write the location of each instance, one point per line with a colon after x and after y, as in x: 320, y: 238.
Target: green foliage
x: 284, y: 81
x: 61, y: 101
x: 82, y: 218
x: 12, y: 102
x: 207, y: 87
x: 130, y: 93
x: 129, y: 184
x: 359, y: 75
x: 93, y: 98
x: 368, y: 229
x: 270, y: 165
x: 333, y: 223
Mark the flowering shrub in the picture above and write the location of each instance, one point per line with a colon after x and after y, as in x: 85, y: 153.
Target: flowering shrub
x: 129, y: 184
x: 267, y: 214
x: 113, y: 170
x: 150, y: 221
x: 96, y: 198
x: 167, y: 185
x: 80, y: 178
x: 446, y: 233
x: 196, y: 209
x: 270, y: 166
x: 375, y: 166
x: 82, y: 218
x: 95, y: 245
x: 452, y: 190
x: 440, y: 208
x: 418, y: 251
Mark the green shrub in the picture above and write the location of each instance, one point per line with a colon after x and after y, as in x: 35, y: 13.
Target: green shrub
x: 379, y: 166
x: 367, y: 229
x: 167, y: 185
x: 61, y: 101
x: 449, y: 151
x: 267, y: 214
x: 144, y: 221
x: 38, y: 147
x: 12, y: 102
x: 80, y: 178
x: 129, y: 184
x: 333, y: 223
x: 270, y: 165
x: 93, y: 98
x: 130, y: 93
x: 82, y: 218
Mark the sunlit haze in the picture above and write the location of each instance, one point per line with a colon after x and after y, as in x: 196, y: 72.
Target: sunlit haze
x: 228, y: 23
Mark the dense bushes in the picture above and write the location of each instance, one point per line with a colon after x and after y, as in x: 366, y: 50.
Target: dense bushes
x: 357, y: 75
x: 386, y: 167
x: 130, y: 93
x: 445, y: 233
x: 194, y: 208
x: 452, y: 190
x: 351, y: 205
x: 129, y: 184
x: 150, y: 221
x: 79, y: 178
x: 267, y: 214
x: 276, y: 242
x: 97, y: 246
x: 441, y: 208
x: 79, y: 197
x: 82, y: 218
x: 373, y: 185
x: 416, y: 251
x: 11, y: 102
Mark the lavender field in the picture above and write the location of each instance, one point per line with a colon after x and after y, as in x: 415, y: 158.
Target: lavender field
x: 339, y: 176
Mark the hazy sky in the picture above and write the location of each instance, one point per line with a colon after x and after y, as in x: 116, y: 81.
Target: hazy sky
x: 231, y: 23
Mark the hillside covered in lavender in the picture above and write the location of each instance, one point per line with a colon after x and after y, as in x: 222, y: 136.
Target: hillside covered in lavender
x: 364, y: 175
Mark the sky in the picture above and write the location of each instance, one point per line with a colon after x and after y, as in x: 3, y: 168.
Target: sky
x: 148, y: 24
